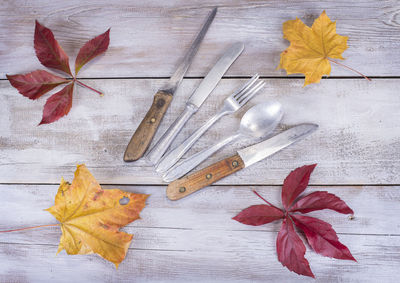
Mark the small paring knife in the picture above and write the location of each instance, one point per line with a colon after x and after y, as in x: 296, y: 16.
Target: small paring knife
x: 144, y: 134
x: 244, y: 158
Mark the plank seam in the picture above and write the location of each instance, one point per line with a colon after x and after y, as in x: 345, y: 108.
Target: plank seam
x: 236, y: 77
x: 214, y: 185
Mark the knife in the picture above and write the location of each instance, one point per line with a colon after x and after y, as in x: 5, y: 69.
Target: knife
x: 143, y: 135
x: 195, y: 101
x: 244, y: 158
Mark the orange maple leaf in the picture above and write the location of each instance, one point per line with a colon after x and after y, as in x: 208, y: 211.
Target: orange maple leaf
x: 311, y: 48
x: 90, y: 217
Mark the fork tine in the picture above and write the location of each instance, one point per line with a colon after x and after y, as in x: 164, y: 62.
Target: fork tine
x: 245, y: 93
x: 252, y: 93
x: 246, y: 86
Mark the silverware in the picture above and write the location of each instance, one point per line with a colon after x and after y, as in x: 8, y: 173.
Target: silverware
x: 258, y: 121
x: 143, y: 135
x: 231, y: 104
x: 195, y: 101
x: 244, y: 158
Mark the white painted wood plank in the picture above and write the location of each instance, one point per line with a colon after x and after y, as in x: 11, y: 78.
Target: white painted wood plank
x: 148, y: 38
x: 255, y: 261
x: 358, y: 141
x: 195, y: 239
x: 209, y: 210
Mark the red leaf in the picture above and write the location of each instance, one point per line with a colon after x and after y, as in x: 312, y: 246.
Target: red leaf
x: 91, y: 49
x: 291, y: 249
x: 319, y: 201
x: 57, y: 105
x: 48, y: 51
x: 258, y: 215
x: 321, y: 237
x: 35, y: 84
x: 295, y: 183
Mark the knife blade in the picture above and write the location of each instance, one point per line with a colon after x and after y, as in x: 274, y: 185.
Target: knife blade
x: 195, y: 101
x: 144, y: 134
x: 244, y: 158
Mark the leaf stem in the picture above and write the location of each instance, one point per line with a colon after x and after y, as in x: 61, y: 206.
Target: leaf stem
x: 257, y: 194
x: 351, y: 69
x: 85, y: 85
x: 26, y: 228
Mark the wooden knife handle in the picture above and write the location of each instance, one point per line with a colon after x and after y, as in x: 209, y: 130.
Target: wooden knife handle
x: 143, y: 135
x: 203, y: 178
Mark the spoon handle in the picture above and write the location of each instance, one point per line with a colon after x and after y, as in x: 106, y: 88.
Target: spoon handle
x: 205, y: 177
x: 173, y: 156
x: 188, y: 164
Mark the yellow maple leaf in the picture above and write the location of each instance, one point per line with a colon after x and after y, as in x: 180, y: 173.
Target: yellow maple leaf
x: 90, y: 217
x: 311, y: 48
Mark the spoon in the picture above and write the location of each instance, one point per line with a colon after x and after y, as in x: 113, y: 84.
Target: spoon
x: 257, y: 122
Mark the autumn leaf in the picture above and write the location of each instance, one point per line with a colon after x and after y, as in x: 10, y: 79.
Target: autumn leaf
x: 92, y: 49
x: 50, y: 53
x: 261, y: 214
x: 312, y: 49
x: 90, y: 217
x: 33, y: 85
x: 291, y: 249
x: 58, y: 105
x: 319, y: 234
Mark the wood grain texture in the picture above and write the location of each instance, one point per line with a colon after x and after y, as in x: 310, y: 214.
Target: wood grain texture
x: 196, y: 239
x: 356, y: 147
x: 357, y: 142
x: 146, y: 130
x: 204, y: 177
x: 149, y: 38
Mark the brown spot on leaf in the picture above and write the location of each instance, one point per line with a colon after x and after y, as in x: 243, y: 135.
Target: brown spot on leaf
x: 104, y: 226
x: 97, y: 194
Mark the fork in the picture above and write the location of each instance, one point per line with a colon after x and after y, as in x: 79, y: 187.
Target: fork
x: 231, y: 105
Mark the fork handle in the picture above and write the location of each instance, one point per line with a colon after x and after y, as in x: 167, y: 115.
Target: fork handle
x: 174, y: 155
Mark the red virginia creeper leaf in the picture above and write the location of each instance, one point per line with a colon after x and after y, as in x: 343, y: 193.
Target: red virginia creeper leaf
x: 33, y: 85
x: 321, y: 200
x: 48, y: 51
x: 321, y: 237
x: 295, y: 183
x: 258, y: 215
x: 91, y: 49
x: 291, y: 249
x: 57, y: 105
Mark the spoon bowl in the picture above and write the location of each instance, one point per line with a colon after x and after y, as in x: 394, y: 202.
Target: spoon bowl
x: 261, y: 119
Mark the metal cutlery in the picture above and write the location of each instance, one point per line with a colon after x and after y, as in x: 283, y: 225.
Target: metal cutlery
x: 231, y: 104
x: 244, y: 158
x: 143, y: 135
x: 257, y: 122
x: 195, y: 101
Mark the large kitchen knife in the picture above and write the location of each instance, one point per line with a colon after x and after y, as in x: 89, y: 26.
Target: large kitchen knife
x: 244, y: 158
x: 143, y: 135
x: 195, y: 101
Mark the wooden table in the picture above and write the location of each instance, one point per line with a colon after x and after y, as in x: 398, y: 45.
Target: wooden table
x: 357, y: 147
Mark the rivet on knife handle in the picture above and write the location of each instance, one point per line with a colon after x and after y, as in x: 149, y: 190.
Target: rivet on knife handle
x: 203, y: 178
x: 141, y: 139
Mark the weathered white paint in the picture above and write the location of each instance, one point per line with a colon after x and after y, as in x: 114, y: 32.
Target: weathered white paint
x: 358, y: 141
x: 195, y: 239
x: 148, y: 38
